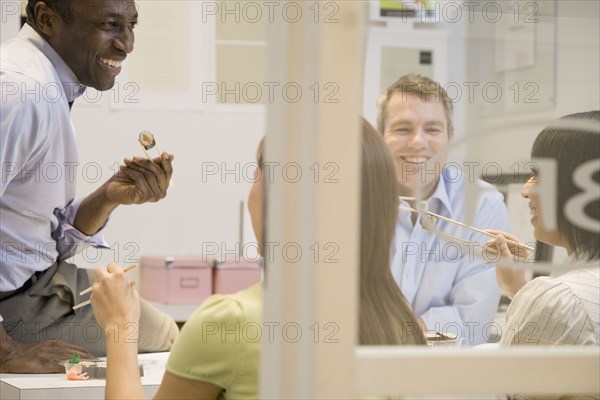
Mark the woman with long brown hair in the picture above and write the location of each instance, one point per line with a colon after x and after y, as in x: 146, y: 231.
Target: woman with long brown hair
x: 217, y: 366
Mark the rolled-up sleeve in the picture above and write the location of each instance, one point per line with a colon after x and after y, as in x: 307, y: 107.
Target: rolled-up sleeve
x: 69, y: 240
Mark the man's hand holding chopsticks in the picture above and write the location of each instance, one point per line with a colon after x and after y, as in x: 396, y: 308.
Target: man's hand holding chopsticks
x: 138, y: 181
x: 141, y: 180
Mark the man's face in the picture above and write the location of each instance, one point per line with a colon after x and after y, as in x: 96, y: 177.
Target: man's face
x: 97, y: 41
x: 415, y: 130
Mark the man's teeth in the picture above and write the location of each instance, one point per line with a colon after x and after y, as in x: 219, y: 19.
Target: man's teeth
x: 416, y: 160
x: 532, y: 211
x: 112, y: 63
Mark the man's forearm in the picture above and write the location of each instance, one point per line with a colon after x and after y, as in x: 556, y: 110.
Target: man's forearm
x: 93, y: 212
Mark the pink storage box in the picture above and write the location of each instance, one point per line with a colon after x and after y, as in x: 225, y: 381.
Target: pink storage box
x: 233, y: 275
x: 176, y: 280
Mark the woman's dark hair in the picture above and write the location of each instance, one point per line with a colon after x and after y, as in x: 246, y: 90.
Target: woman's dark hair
x: 572, y: 145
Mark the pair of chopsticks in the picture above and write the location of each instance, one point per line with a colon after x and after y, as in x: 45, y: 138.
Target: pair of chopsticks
x: 483, y: 247
x: 155, y: 145
x: 86, y: 291
x: 148, y: 134
x: 463, y: 225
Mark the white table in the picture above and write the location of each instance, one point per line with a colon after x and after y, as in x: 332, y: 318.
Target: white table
x: 56, y: 386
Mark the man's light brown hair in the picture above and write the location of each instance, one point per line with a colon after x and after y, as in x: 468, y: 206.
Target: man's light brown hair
x: 415, y: 85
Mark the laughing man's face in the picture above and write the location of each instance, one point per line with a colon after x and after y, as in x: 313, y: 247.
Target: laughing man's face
x: 415, y: 130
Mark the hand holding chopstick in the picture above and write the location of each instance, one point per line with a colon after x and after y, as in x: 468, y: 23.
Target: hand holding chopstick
x: 85, y: 303
x: 115, y: 304
x: 513, y: 243
x: 132, y: 266
x: 487, y: 248
x: 510, y: 279
x: 147, y: 140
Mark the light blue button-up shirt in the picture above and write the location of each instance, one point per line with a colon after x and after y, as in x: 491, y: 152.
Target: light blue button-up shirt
x: 39, y: 160
x: 448, y: 285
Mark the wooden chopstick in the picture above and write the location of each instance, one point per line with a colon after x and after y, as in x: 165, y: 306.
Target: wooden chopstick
x: 480, y: 231
x: 145, y: 151
x: 85, y: 303
x: 86, y: 291
x: 407, y: 198
x: 469, y: 227
x: 482, y: 246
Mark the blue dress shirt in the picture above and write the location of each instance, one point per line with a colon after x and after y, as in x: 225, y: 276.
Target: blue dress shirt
x: 39, y: 160
x: 449, y: 285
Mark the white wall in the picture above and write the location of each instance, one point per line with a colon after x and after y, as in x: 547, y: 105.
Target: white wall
x: 565, y: 71
x: 577, y: 86
x: 195, y: 213
x: 197, y: 209
x: 9, y: 17
x: 505, y: 138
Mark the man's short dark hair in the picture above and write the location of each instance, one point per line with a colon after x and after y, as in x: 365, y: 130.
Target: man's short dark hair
x: 62, y: 8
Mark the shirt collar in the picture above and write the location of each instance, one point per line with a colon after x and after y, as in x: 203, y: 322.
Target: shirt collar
x: 440, y: 196
x: 69, y: 81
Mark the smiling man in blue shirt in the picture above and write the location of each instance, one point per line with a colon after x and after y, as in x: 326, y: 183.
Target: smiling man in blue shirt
x: 450, y: 288
x: 65, y: 46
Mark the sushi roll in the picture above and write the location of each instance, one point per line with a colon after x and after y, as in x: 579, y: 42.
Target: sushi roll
x: 147, y: 140
x: 427, y: 220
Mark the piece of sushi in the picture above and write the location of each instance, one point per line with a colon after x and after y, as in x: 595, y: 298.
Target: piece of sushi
x: 147, y: 140
x: 427, y: 220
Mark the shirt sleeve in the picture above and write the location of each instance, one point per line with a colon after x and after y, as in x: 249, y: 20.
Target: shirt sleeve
x: 210, y: 345
x: 24, y: 136
x: 474, y: 297
x: 547, y: 312
x: 69, y: 240
x: 19, y: 132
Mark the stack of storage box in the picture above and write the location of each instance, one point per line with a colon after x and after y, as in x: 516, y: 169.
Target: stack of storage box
x: 190, y: 280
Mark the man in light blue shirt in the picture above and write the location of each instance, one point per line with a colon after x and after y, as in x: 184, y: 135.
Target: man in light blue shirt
x: 65, y: 46
x: 447, y: 282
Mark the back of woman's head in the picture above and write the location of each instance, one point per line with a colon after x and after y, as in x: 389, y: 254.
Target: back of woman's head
x: 385, y: 315
x: 572, y: 142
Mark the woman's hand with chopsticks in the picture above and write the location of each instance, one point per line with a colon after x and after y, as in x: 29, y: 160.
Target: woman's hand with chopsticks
x: 114, y: 300
x: 510, y: 279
